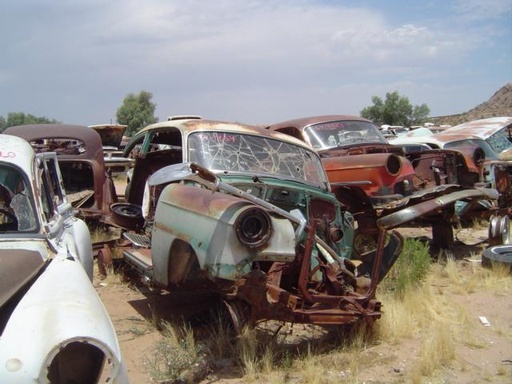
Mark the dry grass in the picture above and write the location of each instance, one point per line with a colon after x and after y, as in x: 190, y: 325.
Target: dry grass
x: 421, y: 311
x: 177, y: 357
x: 469, y: 277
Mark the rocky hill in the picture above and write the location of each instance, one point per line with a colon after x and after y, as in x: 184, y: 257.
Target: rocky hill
x: 499, y: 104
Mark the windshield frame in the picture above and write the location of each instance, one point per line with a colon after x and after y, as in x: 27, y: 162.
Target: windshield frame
x: 22, y: 204
x: 249, y: 154
x: 342, y: 133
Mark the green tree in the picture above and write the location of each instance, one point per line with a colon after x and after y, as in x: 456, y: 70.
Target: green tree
x: 136, y: 112
x: 20, y: 118
x: 395, y: 110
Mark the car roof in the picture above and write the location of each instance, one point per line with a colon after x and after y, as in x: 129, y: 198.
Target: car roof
x: 439, y: 139
x: 305, y: 121
x: 187, y: 126
x: 18, y: 151
x: 87, y: 135
x: 482, y: 128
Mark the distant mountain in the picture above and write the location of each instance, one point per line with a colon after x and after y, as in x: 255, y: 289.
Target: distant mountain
x: 499, y: 104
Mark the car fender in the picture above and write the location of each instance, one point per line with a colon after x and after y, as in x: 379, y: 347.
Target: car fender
x: 375, y: 173
x: 81, y: 241
x: 206, y: 221
x: 405, y: 215
x: 61, y: 299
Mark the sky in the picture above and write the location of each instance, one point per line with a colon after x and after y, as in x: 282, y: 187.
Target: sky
x: 250, y: 61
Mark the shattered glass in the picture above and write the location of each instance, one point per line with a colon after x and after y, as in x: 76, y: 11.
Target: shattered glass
x: 234, y: 152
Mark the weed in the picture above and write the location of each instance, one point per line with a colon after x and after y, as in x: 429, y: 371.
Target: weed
x: 436, y: 350
x: 410, y: 268
x: 177, y: 357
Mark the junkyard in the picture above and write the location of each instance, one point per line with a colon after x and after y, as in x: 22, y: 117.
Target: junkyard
x: 451, y: 323
x: 461, y: 318
x: 462, y: 315
x: 290, y: 238
x: 275, y: 192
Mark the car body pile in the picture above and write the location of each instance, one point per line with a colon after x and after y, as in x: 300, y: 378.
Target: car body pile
x: 386, y: 185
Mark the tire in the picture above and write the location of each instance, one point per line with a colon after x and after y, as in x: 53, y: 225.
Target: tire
x: 128, y: 216
x: 497, y: 255
x: 499, y: 230
x: 104, y: 261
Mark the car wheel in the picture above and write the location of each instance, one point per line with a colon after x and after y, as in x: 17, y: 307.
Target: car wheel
x: 127, y: 215
x: 499, y: 230
x: 497, y: 255
x: 104, y: 260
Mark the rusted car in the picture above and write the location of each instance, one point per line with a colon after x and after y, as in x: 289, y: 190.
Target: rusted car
x: 79, y: 149
x: 491, y: 171
x: 374, y: 178
x: 112, y: 141
x: 53, y: 325
x: 497, y: 131
x: 247, y: 216
x: 87, y: 174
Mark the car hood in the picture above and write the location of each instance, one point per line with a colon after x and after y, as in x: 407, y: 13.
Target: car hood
x: 18, y: 267
x: 60, y: 307
x: 111, y: 134
x: 360, y: 149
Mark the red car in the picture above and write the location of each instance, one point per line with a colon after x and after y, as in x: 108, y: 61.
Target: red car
x: 374, y: 178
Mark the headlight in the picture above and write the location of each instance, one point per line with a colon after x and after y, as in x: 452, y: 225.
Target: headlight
x: 253, y: 227
x: 479, y: 156
x: 81, y: 362
x: 336, y: 234
x: 393, y: 165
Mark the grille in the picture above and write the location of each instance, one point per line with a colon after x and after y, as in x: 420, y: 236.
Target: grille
x: 138, y: 240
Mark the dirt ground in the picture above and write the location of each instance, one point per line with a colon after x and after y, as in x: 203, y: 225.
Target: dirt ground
x: 489, y: 359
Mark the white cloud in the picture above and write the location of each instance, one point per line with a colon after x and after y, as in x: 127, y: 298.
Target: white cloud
x: 256, y: 59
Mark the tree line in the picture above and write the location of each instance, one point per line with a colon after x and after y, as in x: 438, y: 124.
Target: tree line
x: 137, y: 111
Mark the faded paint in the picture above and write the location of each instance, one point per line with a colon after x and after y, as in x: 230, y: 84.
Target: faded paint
x: 372, y: 170
x: 47, y: 299
x: 88, y: 157
x: 206, y: 220
x: 483, y: 128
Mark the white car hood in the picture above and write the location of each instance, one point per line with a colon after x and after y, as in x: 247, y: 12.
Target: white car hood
x: 61, y: 305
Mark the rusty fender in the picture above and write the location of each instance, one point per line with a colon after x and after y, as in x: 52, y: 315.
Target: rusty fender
x: 411, y: 213
x: 326, y: 304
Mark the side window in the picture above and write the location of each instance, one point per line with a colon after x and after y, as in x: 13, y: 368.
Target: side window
x: 292, y: 132
x: 52, y: 191
x: 46, y: 195
x: 55, y: 184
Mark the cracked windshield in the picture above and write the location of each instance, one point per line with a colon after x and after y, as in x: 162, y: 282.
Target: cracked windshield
x: 255, y: 155
x: 340, y: 133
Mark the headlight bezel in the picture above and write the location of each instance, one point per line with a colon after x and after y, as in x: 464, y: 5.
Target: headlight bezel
x: 104, y: 367
x: 253, y: 227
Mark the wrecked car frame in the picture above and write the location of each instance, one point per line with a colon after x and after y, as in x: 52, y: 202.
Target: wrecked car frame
x: 374, y: 178
x: 53, y: 325
x: 87, y: 174
x: 248, y: 215
x: 489, y: 170
x: 79, y: 150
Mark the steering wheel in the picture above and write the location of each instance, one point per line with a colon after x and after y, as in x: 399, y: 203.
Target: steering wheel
x: 9, y: 213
